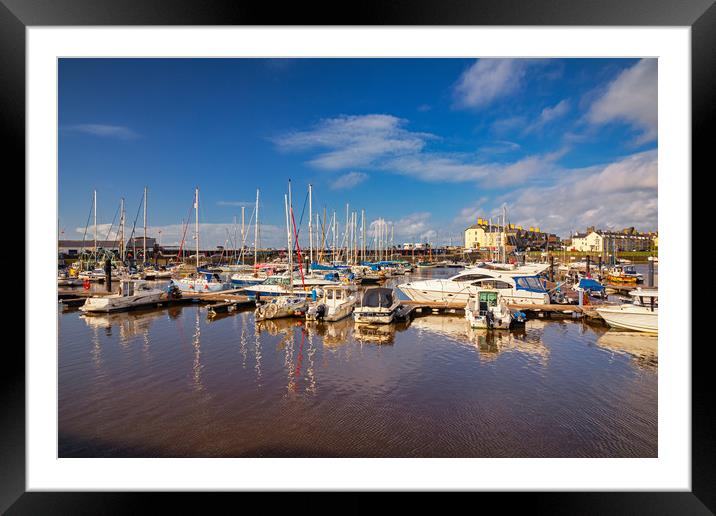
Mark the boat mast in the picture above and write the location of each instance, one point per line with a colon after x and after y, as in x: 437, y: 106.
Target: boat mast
x: 144, y: 248
x: 288, y: 227
x: 310, y: 222
x: 94, y: 202
x: 334, y: 237
x: 256, y: 232
x: 362, y: 230
x: 346, y: 234
x: 121, y: 248
x: 504, y: 233
x: 288, y: 242
x: 196, y: 208
x: 243, y: 234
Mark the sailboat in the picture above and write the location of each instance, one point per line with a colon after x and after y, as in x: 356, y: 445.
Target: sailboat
x: 201, y: 281
x: 291, y: 303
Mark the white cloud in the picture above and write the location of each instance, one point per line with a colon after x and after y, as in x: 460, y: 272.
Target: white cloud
x: 348, y: 180
x: 104, y: 130
x: 210, y: 234
x: 548, y: 115
x: 354, y: 141
x: 487, y: 80
x: 616, y: 195
x: 631, y: 98
x: 381, y: 142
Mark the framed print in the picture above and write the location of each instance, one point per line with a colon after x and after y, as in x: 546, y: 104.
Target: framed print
x: 410, y: 251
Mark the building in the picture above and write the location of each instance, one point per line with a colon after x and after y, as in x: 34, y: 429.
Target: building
x: 485, y: 236
x: 75, y: 247
x: 604, y: 242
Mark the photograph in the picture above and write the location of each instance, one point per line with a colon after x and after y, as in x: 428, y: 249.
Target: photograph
x: 389, y: 257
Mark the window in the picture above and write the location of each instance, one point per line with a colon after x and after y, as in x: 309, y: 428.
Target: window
x: 471, y: 277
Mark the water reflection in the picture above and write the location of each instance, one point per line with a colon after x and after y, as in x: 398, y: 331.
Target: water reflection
x: 429, y: 387
x: 642, y: 347
x: 196, y: 345
x: 383, y: 334
x: 130, y: 324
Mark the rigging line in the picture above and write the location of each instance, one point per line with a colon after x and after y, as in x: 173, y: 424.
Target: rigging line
x: 89, y: 216
x: 131, y: 236
x: 112, y: 225
x: 186, y: 226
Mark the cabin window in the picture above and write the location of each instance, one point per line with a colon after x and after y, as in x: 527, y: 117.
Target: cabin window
x: 529, y: 283
x: 471, y: 277
x: 490, y: 283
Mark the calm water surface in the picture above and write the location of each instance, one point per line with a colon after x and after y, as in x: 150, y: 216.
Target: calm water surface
x: 173, y: 383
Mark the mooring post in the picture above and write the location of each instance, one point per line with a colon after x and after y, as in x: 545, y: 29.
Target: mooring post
x: 588, y: 263
x: 551, y: 267
x: 108, y: 274
x: 650, y: 275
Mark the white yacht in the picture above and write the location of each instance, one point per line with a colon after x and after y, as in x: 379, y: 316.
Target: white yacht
x: 378, y: 305
x: 516, y: 285
x: 132, y: 294
x: 337, y: 302
x: 641, y: 315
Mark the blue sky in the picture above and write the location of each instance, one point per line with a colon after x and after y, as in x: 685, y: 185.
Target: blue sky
x: 426, y: 144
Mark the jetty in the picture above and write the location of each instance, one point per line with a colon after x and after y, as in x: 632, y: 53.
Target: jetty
x: 227, y: 300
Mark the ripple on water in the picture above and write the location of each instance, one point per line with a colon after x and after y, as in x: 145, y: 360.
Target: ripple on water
x: 171, y: 383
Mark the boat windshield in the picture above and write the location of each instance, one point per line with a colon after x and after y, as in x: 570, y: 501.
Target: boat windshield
x: 378, y: 297
x: 529, y: 283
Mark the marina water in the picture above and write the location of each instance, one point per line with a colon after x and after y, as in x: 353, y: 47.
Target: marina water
x: 173, y: 382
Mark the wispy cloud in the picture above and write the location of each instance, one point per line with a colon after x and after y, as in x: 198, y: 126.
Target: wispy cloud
x: 211, y: 235
x: 548, y: 115
x: 349, y: 180
x: 104, y: 130
x: 382, y: 143
x: 488, y: 80
x: 354, y: 141
x: 619, y: 194
x: 631, y: 98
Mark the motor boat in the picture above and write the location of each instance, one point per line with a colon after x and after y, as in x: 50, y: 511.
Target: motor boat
x: 641, y: 315
x: 591, y: 287
x: 278, y: 285
x: 202, y: 282
x: 279, y: 307
x: 132, y: 294
x: 487, y: 310
x: 336, y: 303
x: 378, y: 305
x: 518, y: 285
x: 624, y: 274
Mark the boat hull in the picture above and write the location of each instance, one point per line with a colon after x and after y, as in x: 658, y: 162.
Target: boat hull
x: 106, y: 304
x: 629, y: 319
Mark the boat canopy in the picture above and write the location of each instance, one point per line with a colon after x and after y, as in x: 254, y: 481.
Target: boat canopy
x: 590, y: 284
x: 529, y: 283
x: 378, y: 297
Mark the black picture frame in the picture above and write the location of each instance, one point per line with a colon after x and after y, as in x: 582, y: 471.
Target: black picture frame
x: 16, y: 15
